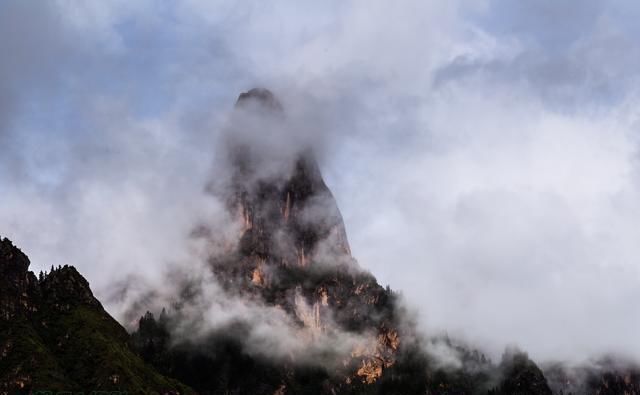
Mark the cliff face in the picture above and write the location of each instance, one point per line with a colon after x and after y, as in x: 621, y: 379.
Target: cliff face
x: 293, y: 250
x: 294, y: 254
x: 55, y: 336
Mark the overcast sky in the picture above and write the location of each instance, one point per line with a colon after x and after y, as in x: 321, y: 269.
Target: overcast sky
x: 484, y: 153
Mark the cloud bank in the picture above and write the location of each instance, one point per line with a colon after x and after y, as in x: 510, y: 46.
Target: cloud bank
x: 483, y: 153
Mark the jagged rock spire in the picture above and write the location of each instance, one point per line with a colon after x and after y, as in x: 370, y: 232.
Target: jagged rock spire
x: 287, y: 217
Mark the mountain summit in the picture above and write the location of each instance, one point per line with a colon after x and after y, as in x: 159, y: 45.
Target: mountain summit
x: 259, y: 96
x: 291, y: 256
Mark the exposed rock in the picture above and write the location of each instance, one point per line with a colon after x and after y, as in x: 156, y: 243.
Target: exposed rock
x: 18, y: 286
x: 370, y: 371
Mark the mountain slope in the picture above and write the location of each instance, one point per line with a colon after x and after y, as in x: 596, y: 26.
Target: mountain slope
x: 55, y: 336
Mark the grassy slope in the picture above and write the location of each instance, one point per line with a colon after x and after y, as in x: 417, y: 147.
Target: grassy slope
x: 79, y: 350
x: 72, y: 344
x: 25, y: 357
x: 93, y: 349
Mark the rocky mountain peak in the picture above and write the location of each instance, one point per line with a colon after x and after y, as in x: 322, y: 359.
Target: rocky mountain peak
x: 259, y: 97
x: 22, y: 293
x: 287, y: 215
x: 12, y: 259
x: 65, y: 287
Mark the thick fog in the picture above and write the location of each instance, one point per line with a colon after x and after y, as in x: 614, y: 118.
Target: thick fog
x: 484, y: 154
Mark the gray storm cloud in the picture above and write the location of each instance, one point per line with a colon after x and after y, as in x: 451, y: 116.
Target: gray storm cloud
x: 484, y: 155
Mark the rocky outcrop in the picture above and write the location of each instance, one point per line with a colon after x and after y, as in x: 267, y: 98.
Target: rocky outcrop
x: 18, y: 286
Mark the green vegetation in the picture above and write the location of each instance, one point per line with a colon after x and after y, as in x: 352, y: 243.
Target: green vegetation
x: 55, y: 336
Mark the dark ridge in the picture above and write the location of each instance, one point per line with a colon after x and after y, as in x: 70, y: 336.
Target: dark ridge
x: 56, y: 337
x: 16, y: 282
